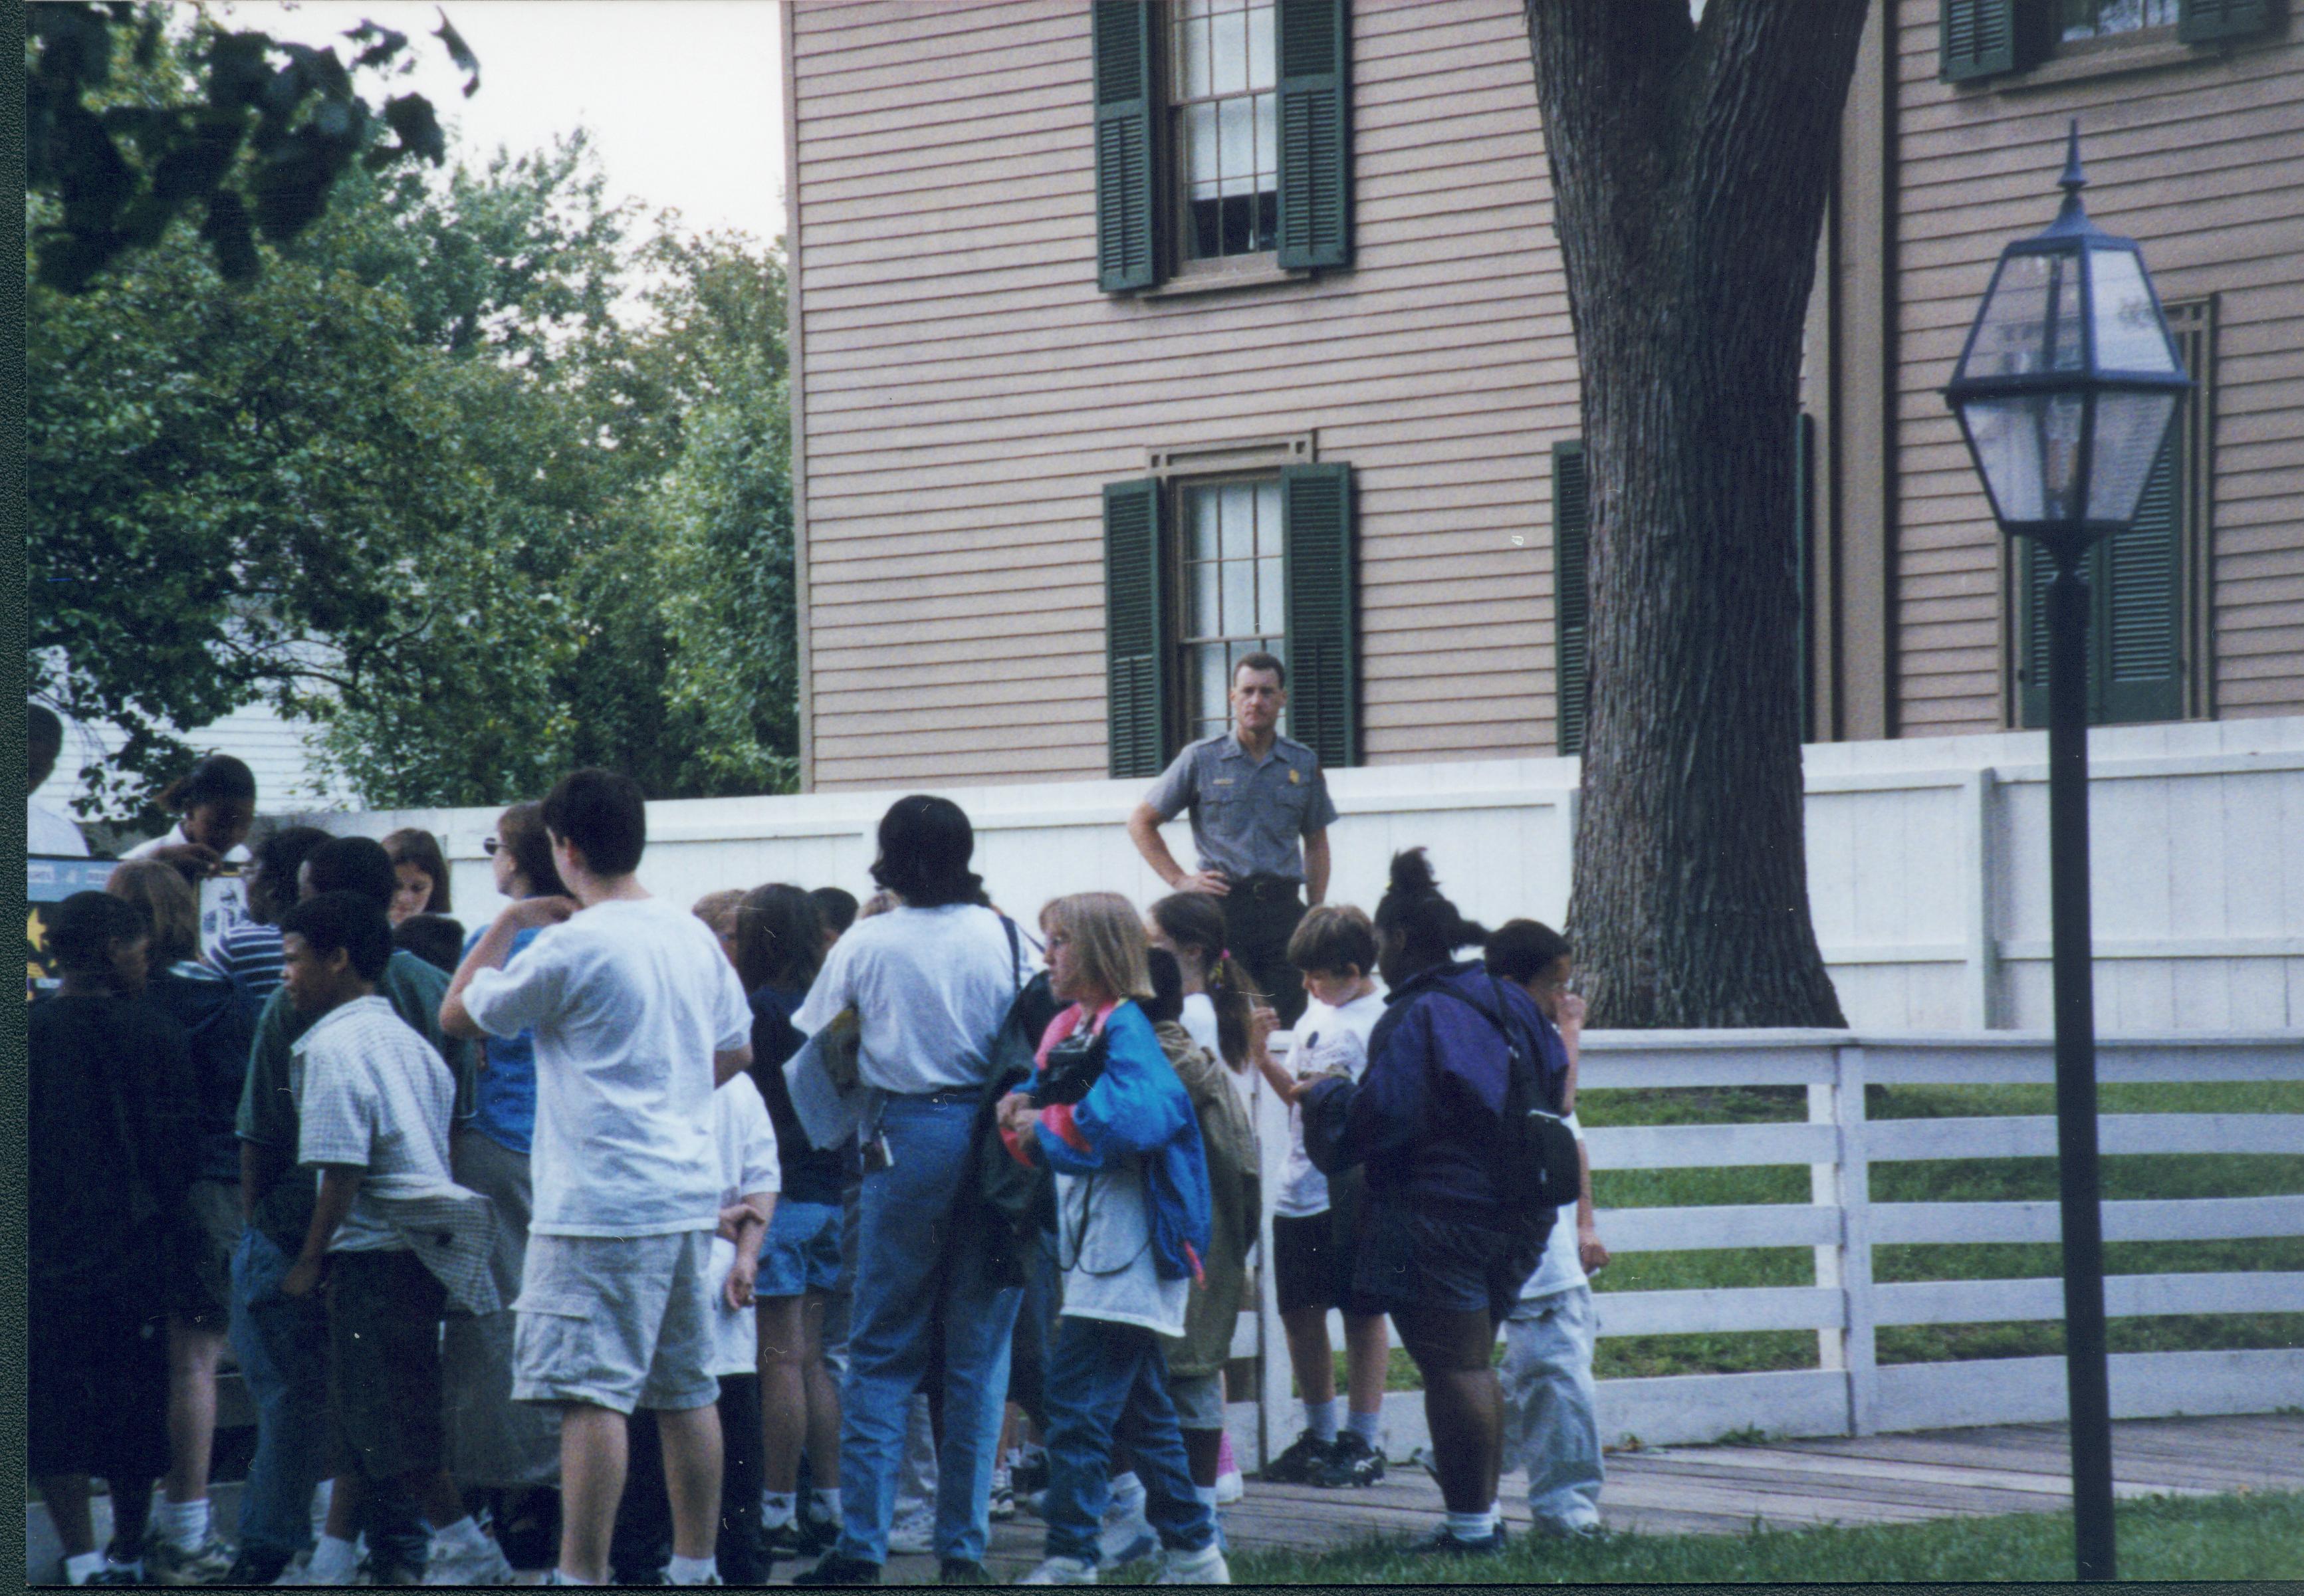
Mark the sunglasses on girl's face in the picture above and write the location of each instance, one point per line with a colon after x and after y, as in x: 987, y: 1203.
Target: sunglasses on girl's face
x: 490, y: 846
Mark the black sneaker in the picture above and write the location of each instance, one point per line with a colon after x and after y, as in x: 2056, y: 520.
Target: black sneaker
x: 837, y: 1570
x: 387, y: 1571
x: 1351, y: 1461
x: 1444, y: 1543
x: 1030, y: 1475
x: 1295, y: 1465
x: 801, y: 1537
x: 962, y: 1571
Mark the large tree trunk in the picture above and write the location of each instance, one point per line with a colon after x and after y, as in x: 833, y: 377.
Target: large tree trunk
x: 1689, y: 168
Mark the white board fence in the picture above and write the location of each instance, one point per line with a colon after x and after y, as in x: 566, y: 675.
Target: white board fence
x: 1852, y: 1392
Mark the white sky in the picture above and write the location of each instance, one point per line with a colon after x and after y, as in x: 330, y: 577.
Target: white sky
x: 684, y: 96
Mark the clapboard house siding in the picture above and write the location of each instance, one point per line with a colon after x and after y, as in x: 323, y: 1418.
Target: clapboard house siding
x: 968, y: 392
x: 2202, y: 160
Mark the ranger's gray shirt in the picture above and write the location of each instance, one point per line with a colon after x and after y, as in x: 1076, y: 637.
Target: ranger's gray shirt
x: 1248, y: 815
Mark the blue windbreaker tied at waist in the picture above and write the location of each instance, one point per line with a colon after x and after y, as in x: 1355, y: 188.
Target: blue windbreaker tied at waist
x: 1423, y: 1118
x: 1137, y: 1108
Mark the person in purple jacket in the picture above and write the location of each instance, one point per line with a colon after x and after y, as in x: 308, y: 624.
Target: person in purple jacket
x: 1442, y: 1245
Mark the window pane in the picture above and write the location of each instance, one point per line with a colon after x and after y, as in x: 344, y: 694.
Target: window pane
x: 1200, y: 150
x: 1201, y: 513
x: 1268, y: 519
x: 1236, y: 144
x: 1208, y: 615
x: 1208, y: 690
x: 1267, y: 141
x: 1228, y: 40
x: 1270, y: 597
x: 1238, y: 520
x: 1194, y: 53
x: 1263, y: 72
x: 1239, y: 596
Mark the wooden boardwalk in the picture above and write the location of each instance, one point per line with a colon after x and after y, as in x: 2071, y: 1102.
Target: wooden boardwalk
x: 1882, y: 1478
x: 1674, y: 1490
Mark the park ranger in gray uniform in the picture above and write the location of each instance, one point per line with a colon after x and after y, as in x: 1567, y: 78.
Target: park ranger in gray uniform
x: 1260, y: 815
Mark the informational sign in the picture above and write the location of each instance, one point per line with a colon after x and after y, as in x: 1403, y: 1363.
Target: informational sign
x: 47, y: 882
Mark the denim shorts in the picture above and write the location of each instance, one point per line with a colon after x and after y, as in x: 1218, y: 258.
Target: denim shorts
x: 1406, y: 1259
x: 803, y: 1249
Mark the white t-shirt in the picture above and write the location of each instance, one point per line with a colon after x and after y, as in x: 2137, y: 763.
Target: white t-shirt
x: 929, y: 987
x: 747, y: 1142
x: 1561, y: 1269
x: 1326, y: 1038
x: 628, y: 1000
x: 47, y: 831
x: 1200, y: 1022
x: 224, y: 899
x: 372, y: 1093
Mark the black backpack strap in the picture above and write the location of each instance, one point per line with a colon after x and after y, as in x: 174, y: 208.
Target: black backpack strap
x: 1015, y: 953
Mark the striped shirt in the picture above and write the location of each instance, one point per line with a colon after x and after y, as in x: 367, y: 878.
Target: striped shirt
x: 371, y: 1093
x: 250, y: 956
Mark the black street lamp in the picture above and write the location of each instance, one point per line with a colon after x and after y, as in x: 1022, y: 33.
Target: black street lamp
x: 2065, y: 393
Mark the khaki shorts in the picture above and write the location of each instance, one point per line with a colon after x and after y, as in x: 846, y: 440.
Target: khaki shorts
x: 618, y: 1322
x: 1198, y: 1399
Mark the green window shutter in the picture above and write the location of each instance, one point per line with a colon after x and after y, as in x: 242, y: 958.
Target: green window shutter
x: 1572, y: 609
x: 1136, y: 629
x: 1315, y: 518
x: 2207, y: 21
x: 2136, y: 631
x: 1980, y: 38
x: 2141, y: 656
x: 2033, y: 570
x: 1127, y: 146
x: 1315, y: 134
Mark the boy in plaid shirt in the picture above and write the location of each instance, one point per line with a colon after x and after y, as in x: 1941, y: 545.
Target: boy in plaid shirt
x: 373, y: 1103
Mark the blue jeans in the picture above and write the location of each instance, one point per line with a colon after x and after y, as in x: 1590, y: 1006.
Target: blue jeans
x: 1550, y: 1426
x: 1107, y: 1385
x: 916, y: 1281
x: 282, y: 1347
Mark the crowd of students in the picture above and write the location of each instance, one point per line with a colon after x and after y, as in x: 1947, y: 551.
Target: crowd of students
x: 528, y: 1258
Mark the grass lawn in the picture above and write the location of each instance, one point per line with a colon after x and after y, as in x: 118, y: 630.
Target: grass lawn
x: 1981, y: 1180
x: 2258, y: 1537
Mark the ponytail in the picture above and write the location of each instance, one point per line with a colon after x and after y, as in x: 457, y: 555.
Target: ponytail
x: 1194, y: 925
x: 1427, y: 926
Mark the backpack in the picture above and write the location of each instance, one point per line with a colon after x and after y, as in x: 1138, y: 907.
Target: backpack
x: 1011, y: 1202
x: 1538, y: 1170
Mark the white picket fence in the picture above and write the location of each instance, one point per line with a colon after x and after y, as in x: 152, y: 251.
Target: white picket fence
x: 1852, y: 1392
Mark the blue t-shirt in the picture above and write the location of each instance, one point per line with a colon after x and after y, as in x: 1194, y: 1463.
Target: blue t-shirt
x: 504, y: 1104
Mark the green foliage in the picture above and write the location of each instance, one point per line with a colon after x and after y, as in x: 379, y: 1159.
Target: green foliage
x: 254, y: 140
x: 2248, y: 1536
x: 416, y: 482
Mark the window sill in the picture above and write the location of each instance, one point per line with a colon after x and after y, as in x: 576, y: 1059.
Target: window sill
x: 1252, y: 271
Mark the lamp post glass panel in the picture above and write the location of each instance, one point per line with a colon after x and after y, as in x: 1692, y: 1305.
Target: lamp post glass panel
x: 2065, y: 393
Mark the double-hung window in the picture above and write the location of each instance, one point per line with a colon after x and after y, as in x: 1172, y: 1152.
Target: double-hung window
x: 1201, y: 570
x: 1222, y: 134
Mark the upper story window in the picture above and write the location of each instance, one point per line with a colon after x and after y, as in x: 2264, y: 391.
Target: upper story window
x: 1991, y: 38
x: 1234, y: 600
x: 1224, y: 125
x: 1223, y: 132
x: 2103, y: 19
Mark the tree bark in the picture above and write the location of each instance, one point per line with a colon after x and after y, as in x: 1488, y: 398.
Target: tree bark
x: 1691, y: 164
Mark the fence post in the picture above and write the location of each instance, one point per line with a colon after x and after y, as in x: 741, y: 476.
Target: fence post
x: 1981, y: 976
x: 1824, y: 1190
x: 1860, y: 1338
x: 1273, y: 1370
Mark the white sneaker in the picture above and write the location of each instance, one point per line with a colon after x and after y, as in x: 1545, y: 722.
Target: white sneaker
x: 1206, y: 1566
x: 481, y: 1564
x: 1126, y: 1534
x: 913, y: 1533
x: 1060, y: 1571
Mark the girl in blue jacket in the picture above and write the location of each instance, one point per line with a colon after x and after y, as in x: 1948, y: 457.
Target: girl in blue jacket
x: 1131, y: 1227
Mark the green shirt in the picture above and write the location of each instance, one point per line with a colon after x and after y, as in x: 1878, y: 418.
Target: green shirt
x: 268, y: 1103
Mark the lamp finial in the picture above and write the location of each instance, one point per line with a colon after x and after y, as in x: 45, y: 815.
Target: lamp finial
x: 2073, y: 179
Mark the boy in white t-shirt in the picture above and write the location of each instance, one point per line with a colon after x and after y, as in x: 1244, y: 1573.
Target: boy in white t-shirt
x: 1550, y: 1426
x: 636, y: 1018
x: 1334, y: 946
